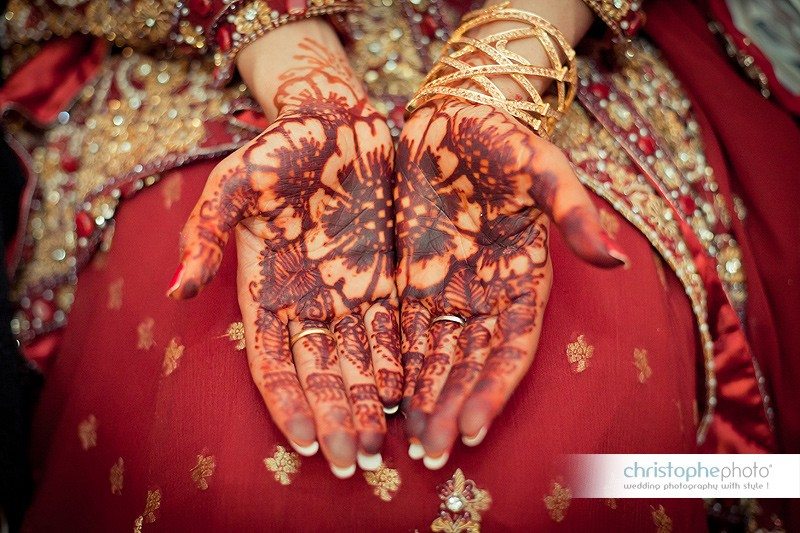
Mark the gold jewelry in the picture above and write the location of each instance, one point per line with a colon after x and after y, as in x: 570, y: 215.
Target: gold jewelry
x: 450, y: 318
x: 310, y: 331
x: 451, y: 70
x: 623, y: 17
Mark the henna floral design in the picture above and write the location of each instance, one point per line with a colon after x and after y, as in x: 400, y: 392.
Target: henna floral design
x: 474, y: 197
x: 310, y: 201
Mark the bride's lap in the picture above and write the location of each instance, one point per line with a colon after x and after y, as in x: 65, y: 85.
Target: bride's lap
x: 163, y: 387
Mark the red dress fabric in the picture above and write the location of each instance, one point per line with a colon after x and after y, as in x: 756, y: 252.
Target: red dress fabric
x: 208, y: 405
x: 752, y: 144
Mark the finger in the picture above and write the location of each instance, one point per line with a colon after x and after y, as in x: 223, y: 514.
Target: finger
x: 381, y: 320
x: 558, y: 192
x: 439, y: 353
x: 226, y: 199
x: 355, y: 361
x: 513, y: 345
x: 272, y: 368
x: 317, y: 363
x: 414, y: 321
x: 471, y: 352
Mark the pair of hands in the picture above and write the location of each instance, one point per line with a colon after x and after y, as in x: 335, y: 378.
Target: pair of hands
x: 335, y: 230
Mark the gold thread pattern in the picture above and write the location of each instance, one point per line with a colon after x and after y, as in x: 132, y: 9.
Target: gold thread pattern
x: 172, y: 355
x: 558, y: 501
x: 462, y: 505
x: 144, y: 332
x: 578, y: 354
x: 204, y: 469
x: 235, y: 333
x: 385, y: 482
x: 87, y: 432
x: 116, y: 476
x: 662, y: 522
x: 640, y: 361
x: 115, y: 294
x: 283, y: 464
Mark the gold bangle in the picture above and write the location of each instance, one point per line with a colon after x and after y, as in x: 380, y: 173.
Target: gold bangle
x: 451, y: 69
x: 623, y: 17
x: 310, y: 331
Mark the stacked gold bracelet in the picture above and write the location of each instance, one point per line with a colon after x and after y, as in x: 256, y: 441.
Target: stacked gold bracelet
x: 623, y: 17
x: 454, y: 76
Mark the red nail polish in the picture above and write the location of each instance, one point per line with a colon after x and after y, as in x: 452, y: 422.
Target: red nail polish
x: 176, y: 280
x: 613, y: 249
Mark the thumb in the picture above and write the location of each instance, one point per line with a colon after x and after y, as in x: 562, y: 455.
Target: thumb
x: 226, y: 199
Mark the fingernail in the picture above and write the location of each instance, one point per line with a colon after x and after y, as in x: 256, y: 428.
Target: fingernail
x: 343, y: 473
x: 435, y: 463
x: 369, y: 462
x: 613, y: 249
x: 305, y: 451
x: 391, y: 410
x: 176, y: 280
x: 475, y: 439
x: 416, y: 451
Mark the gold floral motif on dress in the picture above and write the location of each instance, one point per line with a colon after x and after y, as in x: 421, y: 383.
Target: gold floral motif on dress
x: 151, y: 505
x: 144, y: 332
x: 283, y: 464
x: 115, y: 294
x: 643, y: 367
x: 661, y: 520
x: 235, y: 333
x: 558, y: 501
x: 461, y: 506
x: 171, y: 189
x: 203, y: 469
x: 116, y: 476
x: 578, y: 354
x: 385, y: 482
x: 87, y: 432
x: 172, y: 355
x: 611, y: 503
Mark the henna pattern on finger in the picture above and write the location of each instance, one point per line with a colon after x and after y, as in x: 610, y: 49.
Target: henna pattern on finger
x: 325, y: 387
x: 367, y: 408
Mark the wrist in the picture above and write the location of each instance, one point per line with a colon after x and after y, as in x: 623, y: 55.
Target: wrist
x: 264, y: 64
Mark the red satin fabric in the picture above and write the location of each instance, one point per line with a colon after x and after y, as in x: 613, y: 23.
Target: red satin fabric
x: 51, y: 80
x: 752, y: 145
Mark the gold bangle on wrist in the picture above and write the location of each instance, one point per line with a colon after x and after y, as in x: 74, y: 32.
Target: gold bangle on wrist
x: 451, y: 71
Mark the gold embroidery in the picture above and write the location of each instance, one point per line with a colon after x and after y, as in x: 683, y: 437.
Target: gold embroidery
x: 115, y: 294
x: 611, y: 503
x: 462, y: 505
x: 609, y: 222
x: 171, y: 189
x: 640, y: 361
x: 558, y: 501
x: 137, y: 524
x: 151, y: 506
x: 235, y: 333
x: 661, y: 520
x: 579, y: 353
x: 172, y: 355
x: 203, y: 469
x: 115, y: 476
x: 283, y: 464
x: 145, y: 332
x: 385, y: 482
x: 87, y: 432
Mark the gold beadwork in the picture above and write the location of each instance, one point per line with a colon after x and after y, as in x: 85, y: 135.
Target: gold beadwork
x: 453, y: 69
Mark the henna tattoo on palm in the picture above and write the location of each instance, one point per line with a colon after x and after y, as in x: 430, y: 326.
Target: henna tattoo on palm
x: 474, y: 196
x: 310, y: 200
